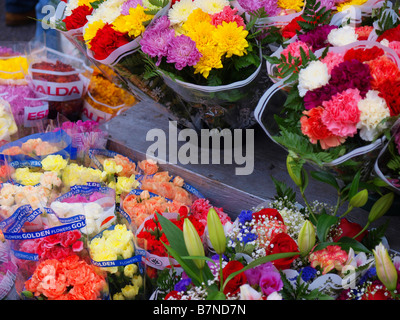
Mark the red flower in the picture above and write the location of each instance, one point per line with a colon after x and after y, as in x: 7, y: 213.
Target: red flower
x: 270, y: 213
x: 377, y: 291
x: 363, y: 55
x: 77, y: 18
x: 390, y: 91
x: 233, y: 286
x: 106, y: 41
x: 290, y: 30
x: 390, y: 35
x: 349, y: 229
x: 173, y: 295
x: 282, y: 243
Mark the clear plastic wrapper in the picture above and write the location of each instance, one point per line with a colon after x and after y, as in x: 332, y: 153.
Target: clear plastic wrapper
x: 8, y: 126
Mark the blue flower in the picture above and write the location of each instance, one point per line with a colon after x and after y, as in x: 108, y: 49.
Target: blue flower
x: 308, y: 273
x: 245, y: 215
x: 249, y: 237
x: 182, y: 284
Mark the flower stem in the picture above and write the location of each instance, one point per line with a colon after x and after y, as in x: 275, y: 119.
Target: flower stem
x: 220, y: 274
x: 365, y: 228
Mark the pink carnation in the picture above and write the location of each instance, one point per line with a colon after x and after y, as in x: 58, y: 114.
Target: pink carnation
x: 341, y: 113
x: 294, y: 50
x: 395, y: 45
x: 228, y: 15
x: 332, y: 59
x: 199, y: 210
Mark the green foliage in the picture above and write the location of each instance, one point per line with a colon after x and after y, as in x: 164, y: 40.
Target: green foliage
x: 300, y: 291
x: 314, y: 16
x: 387, y: 19
x: 95, y: 5
x: 283, y: 191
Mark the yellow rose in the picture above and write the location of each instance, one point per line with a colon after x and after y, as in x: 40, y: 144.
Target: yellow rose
x: 130, y: 291
x: 130, y: 270
x: 54, y: 163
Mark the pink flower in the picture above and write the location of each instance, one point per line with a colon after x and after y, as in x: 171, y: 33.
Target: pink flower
x: 332, y: 59
x: 341, y: 113
x: 228, y: 15
x: 395, y: 45
x: 270, y: 282
x: 183, y: 52
x: 332, y: 257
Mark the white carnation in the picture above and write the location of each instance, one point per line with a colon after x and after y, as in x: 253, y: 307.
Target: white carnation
x: 314, y: 76
x: 373, y: 110
x: 342, y: 36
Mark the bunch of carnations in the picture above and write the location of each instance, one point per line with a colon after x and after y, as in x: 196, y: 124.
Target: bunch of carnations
x: 117, y: 23
x: 339, y: 100
x: 114, y: 251
x: 199, y: 41
x: 76, y: 12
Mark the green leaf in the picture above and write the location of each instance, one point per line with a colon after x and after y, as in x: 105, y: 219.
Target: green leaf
x: 345, y: 243
x: 216, y: 295
x: 324, y: 223
x: 325, y: 177
x: 354, y: 185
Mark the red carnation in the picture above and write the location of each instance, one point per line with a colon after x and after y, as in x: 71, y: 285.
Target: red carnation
x: 290, y: 30
x: 270, y: 213
x: 77, y: 18
x: 390, y: 91
x: 363, y: 55
x: 390, y: 35
x: 282, y: 243
x: 106, y: 41
x: 233, y: 286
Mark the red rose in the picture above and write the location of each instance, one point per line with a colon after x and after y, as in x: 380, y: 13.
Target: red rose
x: 268, y: 212
x: 106, y: 41
x: 233, y: 286
x: 349, y: 229
x: 77, y: 18
x: 376, y: 291
x: 282, y: 243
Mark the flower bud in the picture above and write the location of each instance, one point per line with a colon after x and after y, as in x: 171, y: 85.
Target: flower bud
x: 380, y: 207
x: 296, y: 176
x: 216, y: 231
x: 385, y: 268
x: 306, y: 240
x: 360, y: 199
x: 193, y: 242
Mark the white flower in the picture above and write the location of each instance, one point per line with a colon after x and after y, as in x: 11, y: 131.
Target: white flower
x: 107, y: 11
x: 274, y: 296
x: 249, y: 293
x: 71, y: 5
x: 314, y: 76
x: 342, y: 36
x: 211, y: 6
x: 373, y: 110
x: 180, y: 11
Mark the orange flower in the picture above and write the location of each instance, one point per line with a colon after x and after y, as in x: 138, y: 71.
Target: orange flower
x: 332, y: 257
x: 148, y: 166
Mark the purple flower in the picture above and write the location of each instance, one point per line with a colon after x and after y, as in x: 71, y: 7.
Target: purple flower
x: 156, y: 39
x: 270, y: 6
x: 270, y: 282
x: 328, y: 4
x: 182, y: 284
x: 130, y: 4
x: 317, y: 38
x: 351, y: 74
x: 183, y: 52
x: 314, y: 98
x: 214, y: 266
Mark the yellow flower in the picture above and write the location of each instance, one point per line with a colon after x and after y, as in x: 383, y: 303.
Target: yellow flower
x: 130, y: 291
x: 91, y: 30
x: 85, y: 3
x: 195, y: 18
x: 130, y: 270
x: 134, y: 23
x: 125, y: 184
x: 231, y: 39
x: 25, y: 177
x: 13, y: 68
x: 180, y: 11
x: 118, y: 296
x: 345, y: 5
x: 54, y: 163
x: 211, y: 6
x: 111, y: 167
x: 137, y: 280
x: 202, y: 33
x: 296, y: 5
x: 211, y: 59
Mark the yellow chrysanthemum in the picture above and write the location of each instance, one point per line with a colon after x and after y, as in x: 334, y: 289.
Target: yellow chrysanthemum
x: 231, y: 39
x: 202, y: 33
x: 345, y: 5
x: 296, y: 5
x: 211, y: 59
x: 132, y: 24
x: 85, y: 3
x: 195, y: 18
x: 91, y: 31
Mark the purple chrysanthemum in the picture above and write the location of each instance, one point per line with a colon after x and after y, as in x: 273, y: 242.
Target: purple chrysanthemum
x: 328, y: 4
x: 156, y: 39
x: 270, y: 6
x: 183, y: 52
x: 317, y: 38
x: 130, y: 4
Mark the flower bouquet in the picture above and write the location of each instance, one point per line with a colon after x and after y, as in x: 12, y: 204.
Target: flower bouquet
x: 53, y: 262
x: 8, y: 272
x: 285, y: 250
x: 206, y: 53
x: 8, y: 126
x: 314, y: 124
